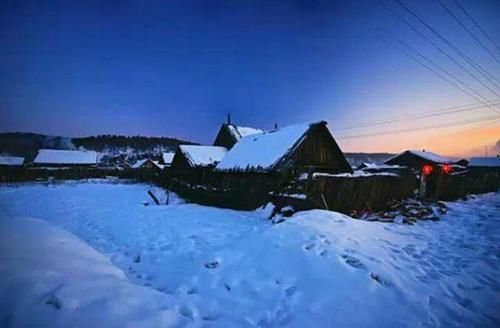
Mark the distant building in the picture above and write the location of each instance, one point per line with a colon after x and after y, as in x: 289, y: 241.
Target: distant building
x: 484, y: 165
x: 58, y: 158
x: 301, y: 147
x: 11, y: 161
x: 229, y: 134
x: 192, y: 156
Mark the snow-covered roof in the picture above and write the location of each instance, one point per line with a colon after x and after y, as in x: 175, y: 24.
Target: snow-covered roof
x: 139, y: 163
x: 242, y: 131
x: 484, y: 162
x: 56, y: 156
x: 376, y: 166
x: 203, y: 155
x: 11, y: 160
x: 427, y: 155
x: 263, y: 150
x: 168, y: 157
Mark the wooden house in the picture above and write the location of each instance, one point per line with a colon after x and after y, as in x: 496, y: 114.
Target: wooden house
x: 229, y: 134
x: 65, y: 158
x: 484, y: 166
x: 189, y: 157
x: 10, y: 166
x: 297, y: 148
x: 416, y: 159
x: 11, y: 161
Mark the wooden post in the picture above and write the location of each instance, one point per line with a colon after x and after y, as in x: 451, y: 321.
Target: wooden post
x: 157, y: 202
x: 324, y: 202
x: 422, y: 188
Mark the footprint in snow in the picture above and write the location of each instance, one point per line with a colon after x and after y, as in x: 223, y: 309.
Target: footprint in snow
x: 384, y: 282
x: 353, y: 262
x: 290, y: 291
x: 185, y: 311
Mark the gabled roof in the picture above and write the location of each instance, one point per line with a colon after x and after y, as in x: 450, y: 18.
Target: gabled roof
x: 168, y: 157
x: 239, y: 132
x: 11, y: 160
x: 55, y: 156
x: 264, y: 150
x: 203, y: 155
x: 139, y: 163
x: 484, y: 162
x: 426, y: 155
x: 142, y: 162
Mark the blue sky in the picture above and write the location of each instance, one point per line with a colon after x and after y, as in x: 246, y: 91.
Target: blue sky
x: 78, y: 68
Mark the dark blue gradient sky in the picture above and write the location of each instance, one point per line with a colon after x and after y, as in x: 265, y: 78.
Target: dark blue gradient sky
x: 176, y: 68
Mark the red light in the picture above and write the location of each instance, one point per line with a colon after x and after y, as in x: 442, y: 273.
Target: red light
x: 447, y: 168
x: 427, y: 169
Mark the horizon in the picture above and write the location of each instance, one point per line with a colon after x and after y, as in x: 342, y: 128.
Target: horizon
x: 176, y: 69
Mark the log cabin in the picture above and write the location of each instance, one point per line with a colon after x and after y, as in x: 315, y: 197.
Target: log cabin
x: 301, y: 147
x: 416, y: 159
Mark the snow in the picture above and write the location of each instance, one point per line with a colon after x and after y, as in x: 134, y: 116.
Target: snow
x: 484, y: 162
x: 203, y: 155
x: 167, y: 158
x: 375, y: 166
x: 242, y: 131
x: 50, y: 278
x: 355, y: 174
x: 11, y: 161
x: 56, y: 156
x: 223, y: 268
x: 430, y: 156
x: 263, y: 150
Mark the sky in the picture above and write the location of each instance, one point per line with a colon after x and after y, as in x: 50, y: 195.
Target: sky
x: 176, y: 68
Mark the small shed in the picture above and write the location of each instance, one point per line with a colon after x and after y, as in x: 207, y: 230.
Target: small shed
x: 229, y: 134
x: 58, y: 158
x: 301, y: 147
x: 192, y: 156
x: 11, y: 161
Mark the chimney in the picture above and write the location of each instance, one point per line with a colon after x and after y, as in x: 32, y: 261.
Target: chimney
x: 228, y: 118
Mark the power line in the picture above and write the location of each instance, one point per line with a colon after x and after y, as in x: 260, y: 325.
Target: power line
x: 439, y: 112
x: 477, y: 25
x: 468, y: 31
x: 456, y: 49
x: 483, y: 99
x: 459, y: 132
x: 406, y: 22
x: 422, y: 128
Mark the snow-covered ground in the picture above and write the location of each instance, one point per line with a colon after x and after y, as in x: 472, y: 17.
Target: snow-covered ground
x: 191, y: 265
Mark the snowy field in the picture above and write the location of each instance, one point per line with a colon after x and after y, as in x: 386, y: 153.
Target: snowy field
x: 91, y: 254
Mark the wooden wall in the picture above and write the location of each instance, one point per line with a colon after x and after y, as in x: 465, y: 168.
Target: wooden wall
x: 318, y: 150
